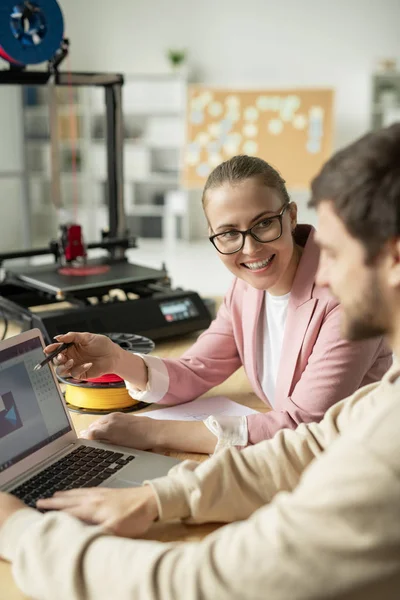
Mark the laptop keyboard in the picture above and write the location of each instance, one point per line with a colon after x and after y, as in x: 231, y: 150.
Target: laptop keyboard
x: 84, y: 467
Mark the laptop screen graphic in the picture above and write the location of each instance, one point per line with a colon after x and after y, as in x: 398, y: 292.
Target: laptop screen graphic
x: 31, y: 412
x: 9, y: 416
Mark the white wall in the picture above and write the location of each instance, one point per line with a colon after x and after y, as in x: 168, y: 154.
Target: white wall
x: 246, y: 43
x: 230, y: 43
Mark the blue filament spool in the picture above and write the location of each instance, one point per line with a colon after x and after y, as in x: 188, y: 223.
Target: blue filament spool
x: 30, y: 32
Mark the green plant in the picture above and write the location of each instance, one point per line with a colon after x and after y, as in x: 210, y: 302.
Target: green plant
x: 176, y: 57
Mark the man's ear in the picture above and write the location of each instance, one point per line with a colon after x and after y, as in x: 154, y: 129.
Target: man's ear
x: 394, y: 263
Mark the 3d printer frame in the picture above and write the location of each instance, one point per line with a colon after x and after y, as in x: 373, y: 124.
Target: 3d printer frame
x: 118, y: 238
x: 154, y: 295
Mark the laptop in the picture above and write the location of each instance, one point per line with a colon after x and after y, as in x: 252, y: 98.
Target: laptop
x: 40, y: 452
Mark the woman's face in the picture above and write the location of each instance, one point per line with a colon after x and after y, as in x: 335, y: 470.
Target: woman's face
x: 265, y: 266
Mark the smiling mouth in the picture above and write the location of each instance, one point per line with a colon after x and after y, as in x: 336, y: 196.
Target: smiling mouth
x: 260, y: 264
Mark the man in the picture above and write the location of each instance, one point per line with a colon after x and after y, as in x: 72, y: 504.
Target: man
x: 319, y: 507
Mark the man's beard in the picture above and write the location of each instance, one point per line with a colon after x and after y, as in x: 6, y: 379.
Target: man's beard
x: 358, y: 329
x: 367, y: 318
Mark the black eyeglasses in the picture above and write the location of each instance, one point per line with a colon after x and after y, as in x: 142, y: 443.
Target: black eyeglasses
x: 267, y: 230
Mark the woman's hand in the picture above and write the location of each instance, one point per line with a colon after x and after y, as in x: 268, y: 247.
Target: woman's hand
x: 91, y: 355
x: 94, y: 355
x: 125, y: 430
x: 128, y: 512
x: 144, y: 433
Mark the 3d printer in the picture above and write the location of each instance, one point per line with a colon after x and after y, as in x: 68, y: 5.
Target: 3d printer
x: 146, y: 303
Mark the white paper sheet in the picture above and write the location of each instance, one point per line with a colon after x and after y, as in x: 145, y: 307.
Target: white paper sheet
x: 200, y: 409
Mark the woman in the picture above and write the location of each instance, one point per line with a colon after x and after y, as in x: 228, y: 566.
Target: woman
x: 275, y: 321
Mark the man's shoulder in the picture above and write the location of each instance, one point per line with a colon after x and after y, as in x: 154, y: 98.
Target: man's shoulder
x: 355, y: 412
x: 372, y: 415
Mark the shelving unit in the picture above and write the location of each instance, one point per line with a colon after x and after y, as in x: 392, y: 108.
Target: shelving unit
x: 154, y: 129
x: 154, y: 117
x: 385, y: 99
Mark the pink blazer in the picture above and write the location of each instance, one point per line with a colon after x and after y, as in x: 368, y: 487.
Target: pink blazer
x: 317, y: 367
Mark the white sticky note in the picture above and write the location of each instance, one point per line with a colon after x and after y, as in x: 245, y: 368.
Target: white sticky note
x: 2, y: 405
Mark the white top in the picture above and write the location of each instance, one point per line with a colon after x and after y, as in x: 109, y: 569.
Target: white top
x: 269, y: 342
x: 231, y: 431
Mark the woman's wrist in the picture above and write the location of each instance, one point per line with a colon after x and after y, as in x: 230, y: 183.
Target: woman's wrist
x: 131, y: 367
x: 186, y: 436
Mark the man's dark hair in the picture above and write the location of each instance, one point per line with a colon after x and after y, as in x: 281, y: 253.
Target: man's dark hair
x: 363, y: 182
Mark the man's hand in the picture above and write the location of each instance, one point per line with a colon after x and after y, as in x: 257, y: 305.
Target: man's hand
x: 8, y: 506
x: 128, y: 512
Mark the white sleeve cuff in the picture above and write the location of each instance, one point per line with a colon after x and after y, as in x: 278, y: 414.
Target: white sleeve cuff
x: 157, y: 384
x: 230, y: 431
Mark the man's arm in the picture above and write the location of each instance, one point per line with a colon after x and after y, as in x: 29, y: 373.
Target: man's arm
x: 231, y: 485
x: 228, y: 487
x: 335, y: 536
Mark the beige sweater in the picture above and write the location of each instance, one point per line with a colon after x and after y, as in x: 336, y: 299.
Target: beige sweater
x: 320, y: 511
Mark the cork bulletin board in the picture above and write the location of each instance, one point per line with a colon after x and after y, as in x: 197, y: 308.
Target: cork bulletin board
x: 290, y: 129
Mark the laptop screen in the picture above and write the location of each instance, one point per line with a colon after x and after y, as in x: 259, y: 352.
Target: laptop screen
x: 31, y: 412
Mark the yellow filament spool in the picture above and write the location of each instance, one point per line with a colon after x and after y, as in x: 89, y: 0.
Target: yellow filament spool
x: 108, y: 392
x: 97, y: 398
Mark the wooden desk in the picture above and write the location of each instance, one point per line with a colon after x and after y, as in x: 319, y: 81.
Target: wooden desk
x: 237, y: 387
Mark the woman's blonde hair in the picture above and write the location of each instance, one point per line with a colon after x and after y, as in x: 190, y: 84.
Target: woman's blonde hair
x: 242, y: 167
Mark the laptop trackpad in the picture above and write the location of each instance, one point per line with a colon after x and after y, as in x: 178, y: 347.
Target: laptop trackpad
x: 120, y: 483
